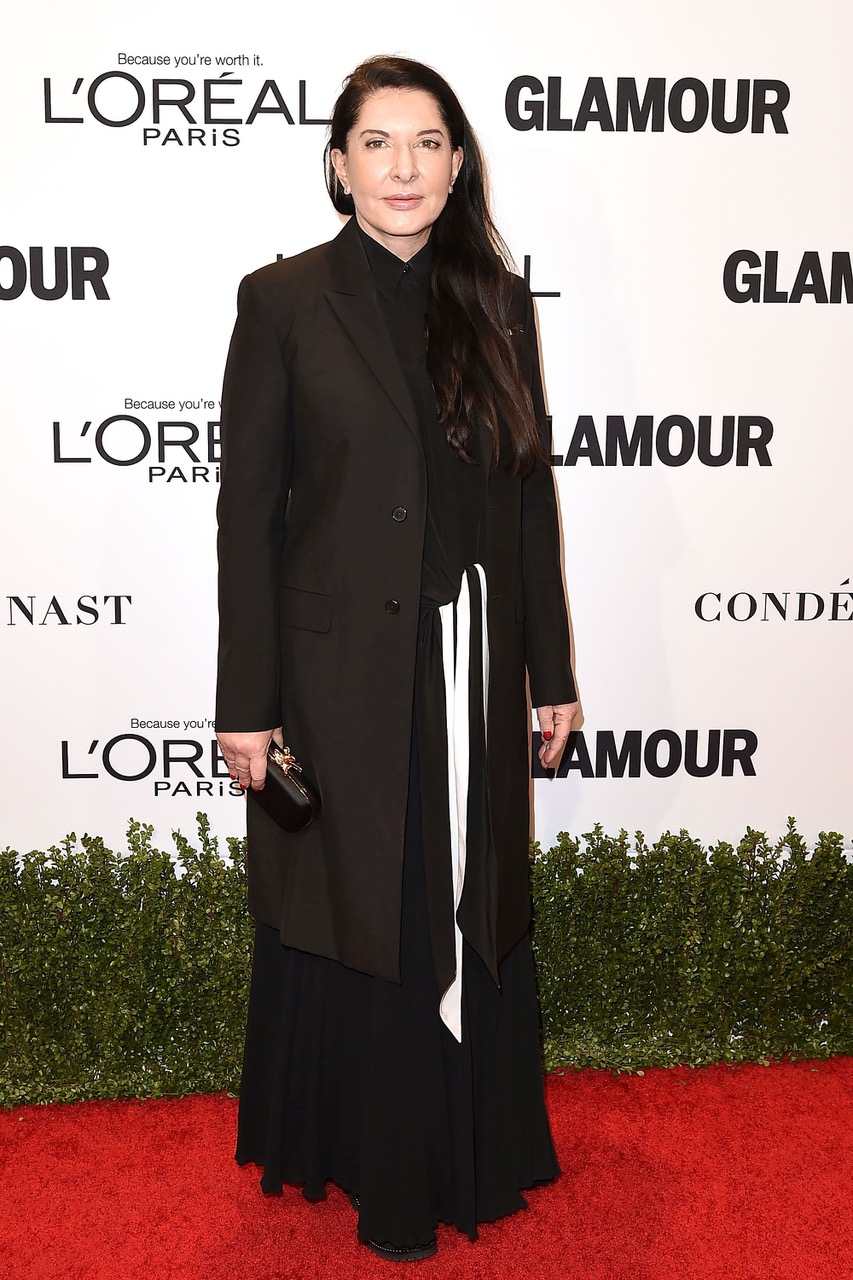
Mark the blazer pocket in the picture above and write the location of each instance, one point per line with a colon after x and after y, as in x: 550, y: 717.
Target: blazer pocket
x: 309, y: 610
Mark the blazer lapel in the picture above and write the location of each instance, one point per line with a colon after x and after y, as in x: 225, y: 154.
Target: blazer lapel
x: 353, y: 299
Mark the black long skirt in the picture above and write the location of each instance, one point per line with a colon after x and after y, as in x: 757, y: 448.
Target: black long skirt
x: 356, y: 1080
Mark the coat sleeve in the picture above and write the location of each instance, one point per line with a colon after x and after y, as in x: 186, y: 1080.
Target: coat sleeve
x: 255, y: 469
x: 546, y: 626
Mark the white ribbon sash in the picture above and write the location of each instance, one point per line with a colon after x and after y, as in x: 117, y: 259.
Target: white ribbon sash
x: 456, y: 621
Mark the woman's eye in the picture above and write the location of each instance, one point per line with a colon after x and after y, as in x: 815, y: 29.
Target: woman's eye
x: 432, y: 144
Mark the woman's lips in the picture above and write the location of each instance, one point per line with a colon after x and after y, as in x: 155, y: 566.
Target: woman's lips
x: 403, y: 202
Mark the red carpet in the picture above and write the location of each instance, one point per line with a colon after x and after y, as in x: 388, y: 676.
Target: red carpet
x: 742, y: 1172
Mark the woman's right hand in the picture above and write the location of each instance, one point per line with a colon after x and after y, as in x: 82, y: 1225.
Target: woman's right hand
x: 246, y: 755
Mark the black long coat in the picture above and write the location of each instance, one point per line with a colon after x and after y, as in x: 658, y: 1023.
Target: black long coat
x: 321, y: 529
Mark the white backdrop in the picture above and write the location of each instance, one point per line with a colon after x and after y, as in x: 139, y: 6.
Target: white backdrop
x: 108, y: 566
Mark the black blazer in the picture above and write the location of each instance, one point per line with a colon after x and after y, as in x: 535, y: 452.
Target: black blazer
x: 319, y: 587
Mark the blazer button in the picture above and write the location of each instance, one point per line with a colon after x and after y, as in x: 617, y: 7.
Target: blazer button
x: 392, y: 606
x: 399, y: 513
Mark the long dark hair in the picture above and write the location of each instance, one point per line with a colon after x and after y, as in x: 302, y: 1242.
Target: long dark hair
x: 470, y: 356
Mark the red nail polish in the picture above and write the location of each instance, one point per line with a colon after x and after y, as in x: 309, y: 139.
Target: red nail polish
x: 547, y: 734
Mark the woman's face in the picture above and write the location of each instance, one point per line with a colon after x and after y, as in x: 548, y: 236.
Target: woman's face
x: 398, y: 167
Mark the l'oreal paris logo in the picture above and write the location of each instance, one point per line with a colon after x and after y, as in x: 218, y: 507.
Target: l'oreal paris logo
x: 175, y: 109
x: 170, y: 766
x: 180, y: 450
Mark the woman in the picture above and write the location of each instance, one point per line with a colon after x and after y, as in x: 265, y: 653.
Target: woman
x: 389, y: 562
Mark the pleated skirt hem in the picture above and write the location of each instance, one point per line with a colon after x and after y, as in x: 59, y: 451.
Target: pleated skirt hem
x: 316, y: 1192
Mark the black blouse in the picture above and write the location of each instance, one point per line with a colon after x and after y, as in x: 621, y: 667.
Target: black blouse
x: 455, y: 488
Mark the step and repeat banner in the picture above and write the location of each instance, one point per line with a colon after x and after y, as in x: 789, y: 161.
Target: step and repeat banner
x: 675, y: 184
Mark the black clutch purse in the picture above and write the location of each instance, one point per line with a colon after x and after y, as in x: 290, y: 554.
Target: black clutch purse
x: 287, y: 795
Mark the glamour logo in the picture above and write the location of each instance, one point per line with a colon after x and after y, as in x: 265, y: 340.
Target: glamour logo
x: 173, y: 766
x: 749, y: 278
x: 659, y: 754
x: 84, y: 611
x: 81, y: 266
x: 775, y: 606
x: 686, y: 105
x: 175, y: 110
x: 674, y: 441
x: 171, y: 451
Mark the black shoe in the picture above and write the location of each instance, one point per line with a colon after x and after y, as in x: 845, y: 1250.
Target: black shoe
x: 396, y: 1253
x: 404, y: 1252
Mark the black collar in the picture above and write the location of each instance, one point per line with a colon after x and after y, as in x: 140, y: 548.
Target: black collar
x: 388, y: 270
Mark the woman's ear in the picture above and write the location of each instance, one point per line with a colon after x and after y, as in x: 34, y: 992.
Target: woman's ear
x: 339, y: 161
x: 456, y: 164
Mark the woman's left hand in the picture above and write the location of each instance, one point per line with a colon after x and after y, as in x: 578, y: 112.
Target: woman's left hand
x: 557, y: 721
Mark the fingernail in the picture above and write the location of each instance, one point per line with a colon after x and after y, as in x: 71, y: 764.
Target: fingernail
x: 233, y: 777
x: 547, y: 734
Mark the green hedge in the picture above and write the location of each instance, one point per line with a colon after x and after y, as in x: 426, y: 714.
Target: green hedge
x: 127, y: 974
x: 665, y: 953
x: 122, y: 974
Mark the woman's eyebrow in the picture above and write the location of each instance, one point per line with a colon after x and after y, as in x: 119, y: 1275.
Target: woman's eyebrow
x: 385, y: 134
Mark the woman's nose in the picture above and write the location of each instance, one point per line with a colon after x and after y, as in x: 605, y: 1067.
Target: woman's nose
x: 405, y: 167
